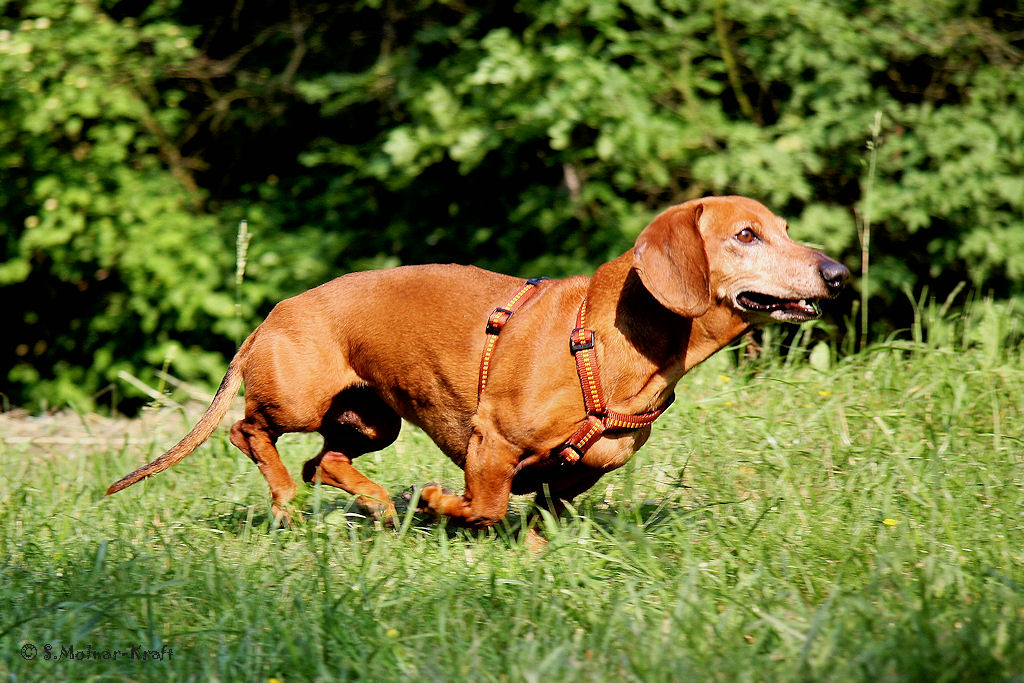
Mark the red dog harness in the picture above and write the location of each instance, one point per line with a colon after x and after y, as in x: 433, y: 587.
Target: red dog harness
x: 582, y: 346
x: 496, y: 322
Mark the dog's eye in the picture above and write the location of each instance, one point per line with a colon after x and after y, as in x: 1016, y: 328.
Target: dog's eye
x: 746, y: 235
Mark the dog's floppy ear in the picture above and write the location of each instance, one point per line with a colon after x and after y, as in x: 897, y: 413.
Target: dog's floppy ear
x: 669, y: 257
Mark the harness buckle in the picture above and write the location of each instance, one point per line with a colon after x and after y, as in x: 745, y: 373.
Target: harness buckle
x: 497, y: 320
x: 569, y: 454
x: 585, y: 344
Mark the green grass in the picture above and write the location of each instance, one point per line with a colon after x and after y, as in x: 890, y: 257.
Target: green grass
x: 747, y: 541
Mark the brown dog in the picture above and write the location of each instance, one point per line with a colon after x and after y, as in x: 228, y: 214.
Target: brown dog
x: 349, y: 359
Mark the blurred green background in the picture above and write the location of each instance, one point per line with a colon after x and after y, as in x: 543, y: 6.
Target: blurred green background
x: 535, y: 138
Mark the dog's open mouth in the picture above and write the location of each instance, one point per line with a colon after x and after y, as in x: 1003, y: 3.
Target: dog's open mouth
x: 780, y: 309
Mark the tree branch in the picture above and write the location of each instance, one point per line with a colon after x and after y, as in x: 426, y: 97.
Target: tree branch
x: 731, y: 66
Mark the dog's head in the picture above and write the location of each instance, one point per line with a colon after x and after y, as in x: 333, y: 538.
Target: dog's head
x: 734, y: 251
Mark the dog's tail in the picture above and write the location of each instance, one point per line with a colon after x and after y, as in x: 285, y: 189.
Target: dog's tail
x: 201, y: 432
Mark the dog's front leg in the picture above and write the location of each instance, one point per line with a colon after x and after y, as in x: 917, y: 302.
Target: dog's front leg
x: 490, y: 464
x: 555, y: 503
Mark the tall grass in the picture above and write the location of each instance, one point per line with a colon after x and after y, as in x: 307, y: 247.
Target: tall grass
x: 864, y: 217
x: 242, y: 239
x: 783, y: 523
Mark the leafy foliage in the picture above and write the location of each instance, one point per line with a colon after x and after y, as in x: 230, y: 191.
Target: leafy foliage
x: 537, y: 138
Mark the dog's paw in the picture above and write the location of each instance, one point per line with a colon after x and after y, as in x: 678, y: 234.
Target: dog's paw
x: 410, y: 493
x: 430, y: 494
x: 414, y: 494
x: 383, y: 513
x: 534, y: 541
x: 283, y: 516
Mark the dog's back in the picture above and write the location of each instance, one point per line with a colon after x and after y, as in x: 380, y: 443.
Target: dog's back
x: 412, y: 334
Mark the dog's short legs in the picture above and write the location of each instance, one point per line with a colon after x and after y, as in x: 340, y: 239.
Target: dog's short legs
x: 547, y: 501
x: 335, y: 468
x: 490, y: 464
x: 358, y: 422
x: 253, y: 438
x: 555, y: 503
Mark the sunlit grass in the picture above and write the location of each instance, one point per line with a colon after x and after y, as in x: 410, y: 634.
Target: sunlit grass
x: 863, y: 522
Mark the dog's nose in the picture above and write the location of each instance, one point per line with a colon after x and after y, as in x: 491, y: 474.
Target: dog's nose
x: 834, y: 274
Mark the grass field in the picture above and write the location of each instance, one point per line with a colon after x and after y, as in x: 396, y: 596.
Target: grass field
x: 861, y: 521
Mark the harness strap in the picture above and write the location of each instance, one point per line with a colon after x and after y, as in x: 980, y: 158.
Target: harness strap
x: 582, y: 344
x: 496, y: 321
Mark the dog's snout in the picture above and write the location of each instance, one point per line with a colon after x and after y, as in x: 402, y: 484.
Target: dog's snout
x: 834, y: 274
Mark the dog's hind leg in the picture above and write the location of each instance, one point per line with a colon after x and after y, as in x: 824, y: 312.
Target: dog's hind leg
x: 335, y: 468
x: 358, y: 422
x: 255, y: 438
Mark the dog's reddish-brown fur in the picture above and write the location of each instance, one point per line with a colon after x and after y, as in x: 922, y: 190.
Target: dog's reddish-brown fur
x: 351, y: 358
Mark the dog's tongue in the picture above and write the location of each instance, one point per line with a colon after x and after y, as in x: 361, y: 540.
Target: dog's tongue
x: 802, y: 306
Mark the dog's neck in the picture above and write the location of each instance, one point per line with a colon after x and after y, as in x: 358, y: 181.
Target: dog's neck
x: 657, y: 346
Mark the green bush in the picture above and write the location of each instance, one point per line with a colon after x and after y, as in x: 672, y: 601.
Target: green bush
x: 537, y: 138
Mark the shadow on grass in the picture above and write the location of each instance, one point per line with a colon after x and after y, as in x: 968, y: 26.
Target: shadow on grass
x: 326, y: 508
x: 309, y: 506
